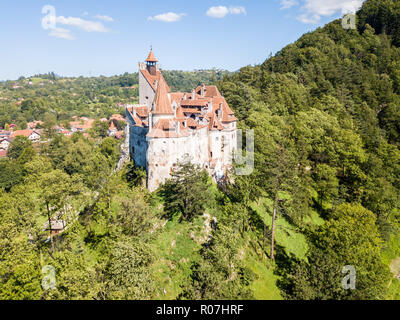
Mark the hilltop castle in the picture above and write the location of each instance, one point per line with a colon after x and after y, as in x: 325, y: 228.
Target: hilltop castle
x: 167, y: 127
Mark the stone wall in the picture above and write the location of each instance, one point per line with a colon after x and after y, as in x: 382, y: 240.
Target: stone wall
x: 146, y: 92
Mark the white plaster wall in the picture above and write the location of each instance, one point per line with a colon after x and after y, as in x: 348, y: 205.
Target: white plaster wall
x: 4, y: 144
x: 34, y: 136
x: 145, y: 90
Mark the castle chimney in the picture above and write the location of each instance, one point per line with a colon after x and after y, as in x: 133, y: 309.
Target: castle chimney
x: 220, y: 112
x: 203, y: 90
x: 150, y: 121
x: 185, y: 123
x: 177, y: 127
x: 193, y: 94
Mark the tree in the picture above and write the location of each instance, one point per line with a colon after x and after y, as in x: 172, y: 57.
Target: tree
x: 20, y: 270
x: 50, y: 121
x: 55, y: 189
x: 20, y: 145
x: 349, y: 238
x: 220, y: 274
x: 75, y: 277
x: 135, y: 176
x: 276, y: 166
x: 326, y: 182
x: 187, y: 192
x: 11, y: 173
x: 126, y: 273
x: 100, y: 129
x: 135, y: 217
x: 109, y: 149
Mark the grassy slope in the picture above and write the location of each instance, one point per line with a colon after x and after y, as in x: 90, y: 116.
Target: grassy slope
x: 391, y: 256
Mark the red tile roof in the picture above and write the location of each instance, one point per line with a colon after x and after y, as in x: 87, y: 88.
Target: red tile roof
x: 215, y: 124
x: 25, y: 133
x: 195, y: 103
x: 227, y: 114
x: 143, y: 112
x: 151, y: 57
x: 190, y: 110
x: 192, y: 123
x: 210, y: 91
x: 152, y: 79
x: 162, y: 105
x: 177, y: 96
x: 179, y: 113
x: 165, y: 128
x: 3, y: 153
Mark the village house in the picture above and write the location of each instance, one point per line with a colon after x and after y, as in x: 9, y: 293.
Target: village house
x: 4, y: 143
x: 32, y: 125
x: 81, y: 124
x: 57, y: 226
x: 3, y: 153
x: 167, y: 127
x: 112, y: 130
x: 32, y: 135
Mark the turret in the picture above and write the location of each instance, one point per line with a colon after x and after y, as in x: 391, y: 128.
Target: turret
x: 151, y: 64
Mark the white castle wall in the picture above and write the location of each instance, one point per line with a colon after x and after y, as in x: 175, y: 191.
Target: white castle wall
x: 164, y: 153
x: 145, y: 90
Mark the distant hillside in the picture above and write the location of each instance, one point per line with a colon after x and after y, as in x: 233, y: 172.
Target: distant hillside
x: 28, y: 99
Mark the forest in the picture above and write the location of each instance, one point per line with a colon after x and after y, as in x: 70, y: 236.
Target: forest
x: 324, y: 194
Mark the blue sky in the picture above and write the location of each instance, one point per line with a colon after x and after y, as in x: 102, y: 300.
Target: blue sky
x: 103, y: 37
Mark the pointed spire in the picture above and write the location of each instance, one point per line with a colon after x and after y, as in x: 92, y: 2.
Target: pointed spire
x: 162, y: 105
x: 151, y: 57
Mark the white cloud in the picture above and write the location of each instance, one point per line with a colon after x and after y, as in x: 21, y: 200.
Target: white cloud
x: 222, y: 11
x: 167, y: 17
x: 86, y: 25
x: 287, y: 4
x: 217, y: 12
x: 104, y: 18
x: 62, y: 33
x: 316, y: 9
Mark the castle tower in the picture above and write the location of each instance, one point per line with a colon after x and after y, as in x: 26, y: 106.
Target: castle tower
x: 151, y: 64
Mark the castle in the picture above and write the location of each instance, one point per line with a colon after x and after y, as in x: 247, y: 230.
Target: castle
x: 167, y: 127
